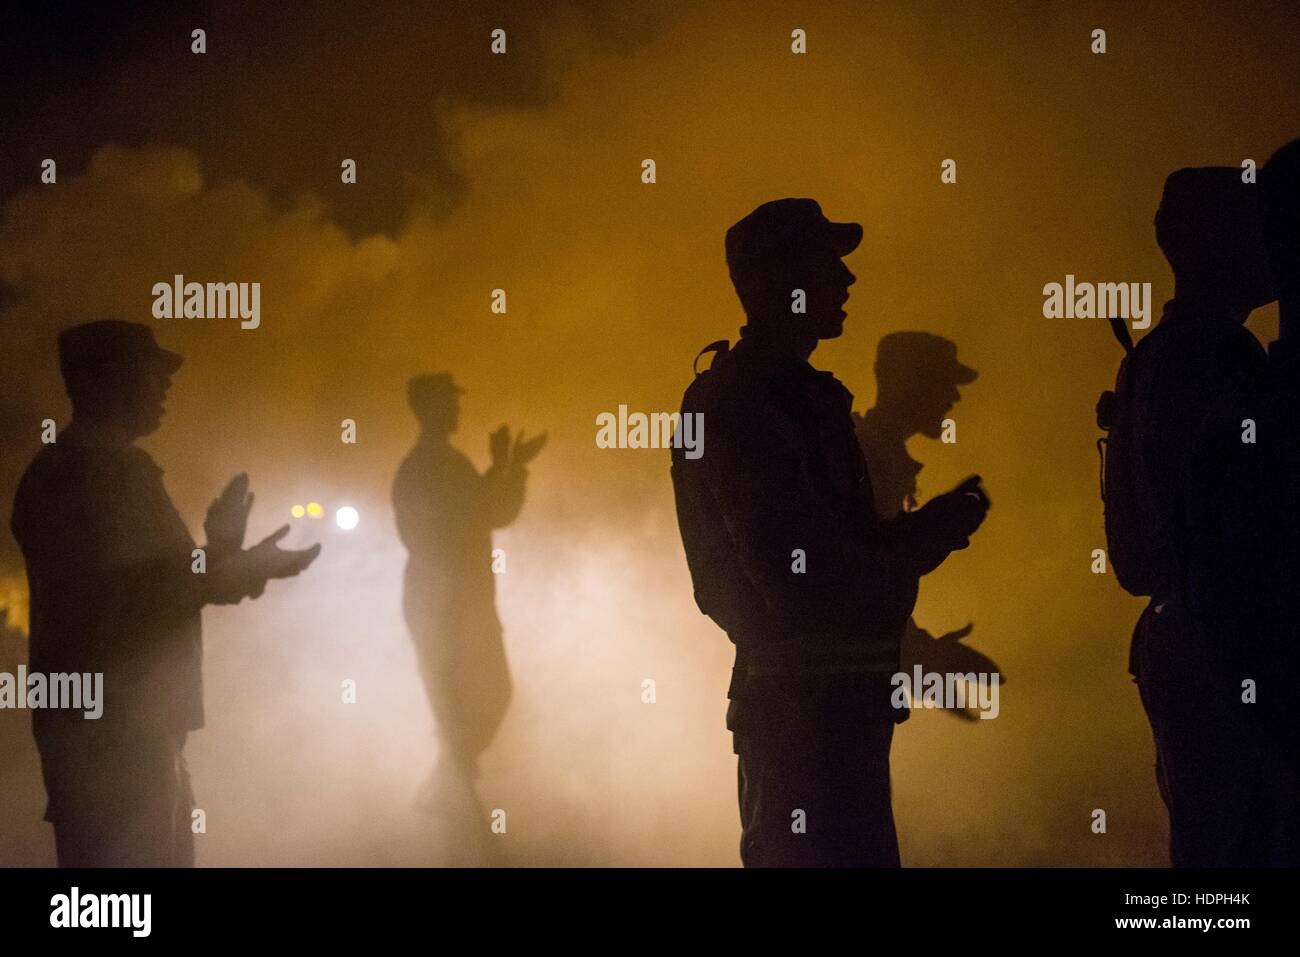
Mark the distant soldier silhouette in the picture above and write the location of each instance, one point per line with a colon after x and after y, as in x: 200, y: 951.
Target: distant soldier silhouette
x: 1244, y: 526
x: 446, y: 512
x: 1208, y: 227
x: 788, y: 556
x: 917, y: 375
x: 110, y: 570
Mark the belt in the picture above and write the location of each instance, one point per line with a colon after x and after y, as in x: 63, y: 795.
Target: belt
x: 817, y: 656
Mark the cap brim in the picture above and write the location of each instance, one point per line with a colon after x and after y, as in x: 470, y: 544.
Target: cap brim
x: 168, y: 361
x: 844, y: 237
x: 964, y: 374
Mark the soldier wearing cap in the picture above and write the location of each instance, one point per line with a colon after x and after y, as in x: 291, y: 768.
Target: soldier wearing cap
x: 1240, y: 763
x: 917, y: 375
x: 788, y: 556
x: 446, y: 512
x: 1208, y: 227
x: 113, y: 591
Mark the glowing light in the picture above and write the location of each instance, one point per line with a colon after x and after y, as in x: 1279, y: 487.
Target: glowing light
x: 297, y: 511
x: 314, y: 509
x: 347, y: 518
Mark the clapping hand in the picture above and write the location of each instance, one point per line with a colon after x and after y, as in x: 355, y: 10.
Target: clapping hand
x: 526, y: 449
x: 523, y: 451
x: 267, y: 560
x: 227, y: 518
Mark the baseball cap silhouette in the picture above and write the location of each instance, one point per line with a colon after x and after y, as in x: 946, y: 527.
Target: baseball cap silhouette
x: 787, y: 228
x: 92, y: 348
x: 921, y: 356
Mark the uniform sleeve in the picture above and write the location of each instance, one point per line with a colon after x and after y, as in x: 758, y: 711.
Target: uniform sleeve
x: 411, y: 510
x: 774, y: 510
x: 1188, y: 409
x: 502, y: 490
x: 917, y: 544
x: 1226, y: 526
x: 121, y: 554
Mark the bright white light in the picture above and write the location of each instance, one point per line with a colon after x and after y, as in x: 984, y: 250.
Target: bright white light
x: 347, y: 518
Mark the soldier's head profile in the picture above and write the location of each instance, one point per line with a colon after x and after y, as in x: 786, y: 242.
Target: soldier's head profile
x: 786, y: 262
x: 116, y: 373
x: 917, y: 375
x: 1280, y: 183
x: 1210, y: 229
x: 435, y: 400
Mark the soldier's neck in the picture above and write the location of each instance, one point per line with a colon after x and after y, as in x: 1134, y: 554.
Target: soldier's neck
x: 1204, y: 302
x: 891, y: 422
x: 100, y: 432
x: 438, y: 437
x: 780, y: 341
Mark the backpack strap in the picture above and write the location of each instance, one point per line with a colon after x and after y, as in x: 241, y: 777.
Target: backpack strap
x: 1122, y: 334
x: 721, y: 347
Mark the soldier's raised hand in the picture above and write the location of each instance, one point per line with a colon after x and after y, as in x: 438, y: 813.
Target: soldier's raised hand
x: 269, y: 560
x: 244, y: 574
x: 227, y: 519
x: 960, y: 512
x: 526, y: 449
x: 499, y: 445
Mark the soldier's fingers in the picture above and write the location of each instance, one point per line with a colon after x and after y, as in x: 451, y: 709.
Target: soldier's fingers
x: 959, y: 634
x: 236, y: 487
x: 304, y: 556
x: 275, y: 536
x: 296, y: 562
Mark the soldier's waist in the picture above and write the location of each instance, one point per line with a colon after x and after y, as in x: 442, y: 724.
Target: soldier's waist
x: 810, y: 655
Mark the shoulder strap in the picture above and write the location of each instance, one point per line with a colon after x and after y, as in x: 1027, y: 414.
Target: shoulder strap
x: 721, y: 347
x: 1122, y: 334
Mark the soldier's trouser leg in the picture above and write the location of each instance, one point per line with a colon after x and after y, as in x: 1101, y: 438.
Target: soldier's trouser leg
x: 1206, y: 767
x: 149, y: 827
x: 816, y: 801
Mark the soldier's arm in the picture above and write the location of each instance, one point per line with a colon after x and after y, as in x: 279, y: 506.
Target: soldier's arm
x: 112, y: 561
x: 921, y: 540
x: 502, y: 493
x: 790, y: 541
x: 413, y: 508
x: 1226, y: 523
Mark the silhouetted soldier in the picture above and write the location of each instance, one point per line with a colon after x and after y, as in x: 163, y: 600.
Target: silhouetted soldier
x: 1244, y: 527
x: 1208, y: 228
x: 113, y: 590
x: 446, y: 512
x: 788, y: 556
x: 917, y: 375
